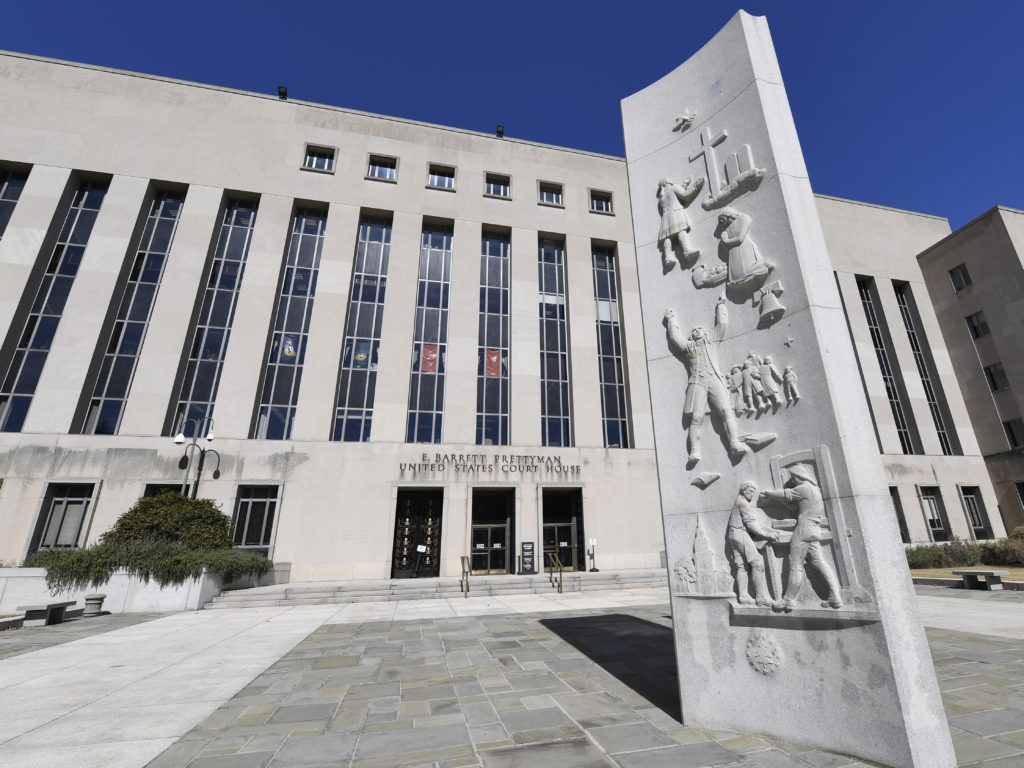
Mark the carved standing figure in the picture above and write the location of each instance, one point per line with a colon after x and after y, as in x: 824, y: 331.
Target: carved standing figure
x: 736, y: 387
x: 789, y: 385
x: 705, y: 383
x: 675, y: 224
x: 770, y: 380
x: 801, y: 490
x: 745, y: 264
x: 745, y: 538
x: 753, y: 391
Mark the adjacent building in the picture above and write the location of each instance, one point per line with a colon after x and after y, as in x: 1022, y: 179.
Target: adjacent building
x: 412, y: 343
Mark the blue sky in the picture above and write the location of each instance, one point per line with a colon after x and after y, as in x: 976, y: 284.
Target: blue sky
x: 917, y: 105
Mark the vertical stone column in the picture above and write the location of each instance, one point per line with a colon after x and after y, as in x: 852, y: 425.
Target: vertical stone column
x: 794, y: 615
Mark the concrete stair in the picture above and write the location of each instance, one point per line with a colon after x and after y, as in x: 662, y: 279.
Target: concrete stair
x: 367, y: 590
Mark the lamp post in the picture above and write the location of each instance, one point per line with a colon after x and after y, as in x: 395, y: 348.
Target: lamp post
x: 191, y: 449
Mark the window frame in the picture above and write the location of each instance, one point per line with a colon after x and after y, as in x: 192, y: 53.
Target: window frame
x: 46, y: 510
x: 551, y: 186
x: 438, y: 170
x: 374, y: 160
x: 601, y: 194
x: 508, y: 184
x: 995, y: 375
x: 323, y: 151
x: 960, y: 277
x: 275, y: 505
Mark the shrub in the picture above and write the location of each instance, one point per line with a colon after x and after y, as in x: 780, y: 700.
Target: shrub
x: 172, y: 518
x: 167, y: 563
x: 1017, y: 534
x: 959, y: 553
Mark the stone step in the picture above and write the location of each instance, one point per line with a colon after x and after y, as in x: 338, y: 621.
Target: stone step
x: 340, y: 592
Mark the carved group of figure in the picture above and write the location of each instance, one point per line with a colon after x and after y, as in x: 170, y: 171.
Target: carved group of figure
x: 750, y: 531
x: 756, y: 385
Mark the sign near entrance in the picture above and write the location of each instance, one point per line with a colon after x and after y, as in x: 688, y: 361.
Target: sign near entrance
x: 497, y: 465
x: 529, y: 565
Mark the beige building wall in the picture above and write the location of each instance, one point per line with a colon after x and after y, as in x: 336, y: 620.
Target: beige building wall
x: 336, y: 501
x: 991, y: 251
x: 876, y: 246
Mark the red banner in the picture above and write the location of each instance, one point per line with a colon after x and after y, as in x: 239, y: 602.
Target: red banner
x: 428, y: 358
x: 492, y: 362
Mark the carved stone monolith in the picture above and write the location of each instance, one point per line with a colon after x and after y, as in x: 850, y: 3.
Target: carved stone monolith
x: 806, y: 630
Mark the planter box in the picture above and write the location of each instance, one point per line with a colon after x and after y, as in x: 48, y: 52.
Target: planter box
x: 125, y: 594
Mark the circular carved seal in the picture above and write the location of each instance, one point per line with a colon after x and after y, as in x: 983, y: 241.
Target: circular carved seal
x: 763, y: 653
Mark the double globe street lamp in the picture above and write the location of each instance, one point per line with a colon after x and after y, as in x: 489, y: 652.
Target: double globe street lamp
x: 199, y: 426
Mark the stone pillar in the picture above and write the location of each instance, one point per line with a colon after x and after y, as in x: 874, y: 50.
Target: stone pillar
x: 765, y: 477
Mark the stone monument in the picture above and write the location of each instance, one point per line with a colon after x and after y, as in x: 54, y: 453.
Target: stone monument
x: 793, y: 611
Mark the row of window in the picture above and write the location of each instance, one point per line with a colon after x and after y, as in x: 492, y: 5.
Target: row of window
x: 63, y: 519
x: 895, y: 390
x: 936, y: 518
x: 385, y: 168
x: 117, y: 353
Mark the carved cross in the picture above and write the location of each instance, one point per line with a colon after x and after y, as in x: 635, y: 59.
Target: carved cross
x: 708, y: 144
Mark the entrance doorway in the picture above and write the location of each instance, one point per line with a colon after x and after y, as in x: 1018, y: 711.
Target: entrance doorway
x: 493, y: 536
x: 417, y: 534
x: 563, y: 527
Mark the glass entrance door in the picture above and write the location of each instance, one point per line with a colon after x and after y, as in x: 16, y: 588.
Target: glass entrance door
x: 417, y: 534
x: 563, y: 527
x: 492, y: 531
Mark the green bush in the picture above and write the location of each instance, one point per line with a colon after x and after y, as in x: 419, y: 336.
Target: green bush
x: 1017, y: 534
x: 167, y: 563
x: 173, y: 518
x: 958, y: 553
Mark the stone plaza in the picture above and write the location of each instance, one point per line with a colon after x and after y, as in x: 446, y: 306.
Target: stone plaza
x: 580, y: 680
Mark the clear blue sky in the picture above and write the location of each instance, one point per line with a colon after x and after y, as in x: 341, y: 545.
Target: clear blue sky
x: 917, y: 105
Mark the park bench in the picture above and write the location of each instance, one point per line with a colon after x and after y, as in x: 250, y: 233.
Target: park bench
x: 972, y: 579
x: 44, y: 613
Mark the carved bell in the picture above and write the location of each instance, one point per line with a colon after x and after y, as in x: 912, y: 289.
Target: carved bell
x: 771, y: 309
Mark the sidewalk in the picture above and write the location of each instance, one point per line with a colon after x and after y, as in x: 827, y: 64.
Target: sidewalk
x: 583, y: 679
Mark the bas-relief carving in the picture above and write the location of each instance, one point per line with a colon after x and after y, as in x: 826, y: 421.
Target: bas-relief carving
x: 698, y: 573
x: 745, y: 264
x: 756, y: 385
x: 771, y: 309
x: 789, y: 386
x: 684, y: 121
x: 704, y: 479
x: 675, y: 224
x: 747, y: 534
x: 763, y: 653
x: 740, y: 172
x: 705, y: 385
x: 767, y: 548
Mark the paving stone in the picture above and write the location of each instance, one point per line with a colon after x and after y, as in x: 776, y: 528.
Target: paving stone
x: 701, y: 755
x: 570, y: 754
x: 990, y: 723
x: 315, y: 750
x: 528, y: 720
x: 244, y: 760
x: 304, y: 713
x: 970, y: 748
x: 629, y: 738
x: 414, y: 740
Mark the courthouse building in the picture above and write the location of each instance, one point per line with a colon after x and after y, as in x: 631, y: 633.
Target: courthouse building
x: 411, y: 342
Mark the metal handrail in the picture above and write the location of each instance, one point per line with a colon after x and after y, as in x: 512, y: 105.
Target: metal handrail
x: 464, y: 580
x: 556, y: 565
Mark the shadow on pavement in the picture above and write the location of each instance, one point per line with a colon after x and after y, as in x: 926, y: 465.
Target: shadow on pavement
x: 638, y: 652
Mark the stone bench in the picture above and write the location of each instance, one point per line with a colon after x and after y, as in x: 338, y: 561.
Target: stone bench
x: 972, y: 579
x: 44, y: 613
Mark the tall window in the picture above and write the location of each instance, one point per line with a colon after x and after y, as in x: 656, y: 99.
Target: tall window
x: 614, y: 411
x: 252, y: 525
x: 1014, y: 429
x: 51, y: 294
x: 492, y: 369
x: 977, y: 325
x: 555, y: 405
x: 924, y: 369
x: 357, y: 379
x: 217, y: 311
x: 62, y: 519
x: 892, y: 387
x: 123, y: 345
x: 934, y: 514
x: 995, y: 374
x: 11, y: 184
x: 975, y: 511
x: 430, y: 337
x: 283, y: 368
